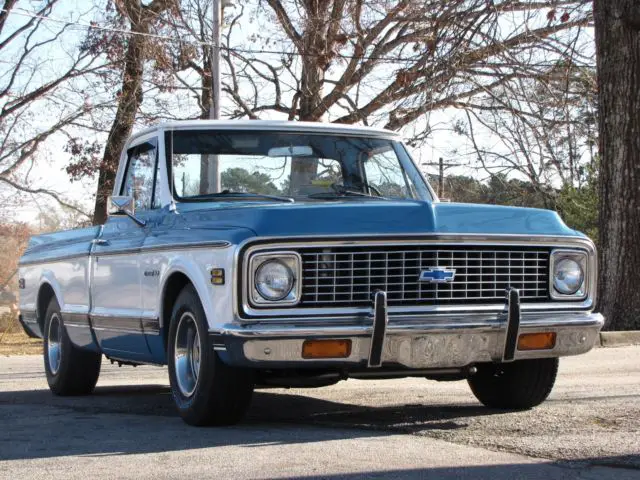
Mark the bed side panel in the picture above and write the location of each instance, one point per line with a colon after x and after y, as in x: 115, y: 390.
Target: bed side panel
x: 60, y: 261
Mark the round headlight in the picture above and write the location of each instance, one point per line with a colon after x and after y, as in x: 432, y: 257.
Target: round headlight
x: 567, y: 276
x: 274, y: 280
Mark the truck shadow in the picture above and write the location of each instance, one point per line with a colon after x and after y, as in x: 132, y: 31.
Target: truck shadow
x: 124, y: 420
x: 142, y: 419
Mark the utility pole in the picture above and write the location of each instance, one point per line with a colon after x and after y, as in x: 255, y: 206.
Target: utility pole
x: 441, y: 168
x: 214, y: 109
x: 213, y: 172
x: 441, y: 179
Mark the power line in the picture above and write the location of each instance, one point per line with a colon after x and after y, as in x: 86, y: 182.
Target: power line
x: 168, y: 38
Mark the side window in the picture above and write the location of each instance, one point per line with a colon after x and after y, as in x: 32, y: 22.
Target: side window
x: 140, y: 176
x: 385, y: 176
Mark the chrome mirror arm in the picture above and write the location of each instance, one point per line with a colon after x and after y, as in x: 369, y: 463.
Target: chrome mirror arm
x: 138, y: 221
x: 124, y: 205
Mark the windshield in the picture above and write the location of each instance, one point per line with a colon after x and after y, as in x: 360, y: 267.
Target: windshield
x: 227, y: 165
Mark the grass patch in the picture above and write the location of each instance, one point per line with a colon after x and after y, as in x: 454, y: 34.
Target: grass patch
x: 13, y: 340
x: 18, y: 343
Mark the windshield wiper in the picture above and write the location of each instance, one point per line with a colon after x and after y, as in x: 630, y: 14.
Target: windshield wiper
x: 342, y: 191
x: 227, y: 194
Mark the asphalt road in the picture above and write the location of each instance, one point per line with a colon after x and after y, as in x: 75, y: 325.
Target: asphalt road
x: 588, y: 429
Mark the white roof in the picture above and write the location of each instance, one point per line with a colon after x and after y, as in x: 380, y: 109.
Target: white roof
x: 304, y: 127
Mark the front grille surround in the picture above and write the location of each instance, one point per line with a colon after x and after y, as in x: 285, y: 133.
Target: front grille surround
x: 346, y: 276
x: 308, y: 313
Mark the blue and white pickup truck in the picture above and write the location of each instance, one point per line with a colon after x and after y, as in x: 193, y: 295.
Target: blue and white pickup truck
x: 253, y: 253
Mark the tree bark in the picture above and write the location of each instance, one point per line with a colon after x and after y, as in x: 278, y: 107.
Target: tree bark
x: 130, y: 101
x: 141, y: 17
x: 618, y: 52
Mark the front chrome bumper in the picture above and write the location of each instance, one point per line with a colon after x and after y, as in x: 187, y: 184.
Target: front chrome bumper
x: 433, y: 341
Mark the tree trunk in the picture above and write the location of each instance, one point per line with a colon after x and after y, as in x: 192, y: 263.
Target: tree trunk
x: 314, y: 43
x: 129, y: 102
x: 618, y: 51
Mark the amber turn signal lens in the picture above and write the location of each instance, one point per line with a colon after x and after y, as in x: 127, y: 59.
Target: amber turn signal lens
x: 537, y: 341
x: 326, y: 348
x: 217, y: 276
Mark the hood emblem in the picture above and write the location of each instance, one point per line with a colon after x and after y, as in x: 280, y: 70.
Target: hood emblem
x: 437, y: 275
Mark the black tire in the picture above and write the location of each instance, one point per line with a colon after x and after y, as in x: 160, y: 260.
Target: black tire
x: 222, y: 394
x: 77, y: 370
x: 514, y: 386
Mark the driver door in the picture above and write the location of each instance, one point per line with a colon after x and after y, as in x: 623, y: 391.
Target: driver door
x: 116, y: 311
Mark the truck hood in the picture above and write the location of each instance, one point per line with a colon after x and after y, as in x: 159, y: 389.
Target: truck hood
x: 371, y: 217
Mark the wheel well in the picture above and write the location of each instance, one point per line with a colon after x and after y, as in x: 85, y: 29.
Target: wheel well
x: 45, y: 294
x: 176, y: 282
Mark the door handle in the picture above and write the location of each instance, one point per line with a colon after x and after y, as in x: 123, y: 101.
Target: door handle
x: 100, y: 241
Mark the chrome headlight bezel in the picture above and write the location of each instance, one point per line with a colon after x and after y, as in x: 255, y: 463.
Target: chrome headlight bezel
x: 582, y: 259
x: 292, y: 261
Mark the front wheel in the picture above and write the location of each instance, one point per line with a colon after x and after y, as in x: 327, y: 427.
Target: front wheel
x: 514, y: 386
x: 205, y: 390
x: 69, y: 369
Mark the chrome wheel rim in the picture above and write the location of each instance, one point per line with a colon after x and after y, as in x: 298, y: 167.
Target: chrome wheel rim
x: 187, y: 354
x: 54, y: 343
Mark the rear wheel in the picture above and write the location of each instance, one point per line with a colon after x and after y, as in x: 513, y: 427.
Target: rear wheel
x: 206, y: 391
x: 69, y: 369
x: 517, y: 385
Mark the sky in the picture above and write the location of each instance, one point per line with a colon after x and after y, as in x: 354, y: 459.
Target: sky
x: 50, y: 169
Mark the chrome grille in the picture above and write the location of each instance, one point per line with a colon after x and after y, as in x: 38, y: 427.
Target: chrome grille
x: 346, y: 276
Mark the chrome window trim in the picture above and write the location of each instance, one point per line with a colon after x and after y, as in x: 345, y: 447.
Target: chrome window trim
x: 123, y: 162
x: 425, y: 180
x: 244, y: 312
x: 250, y: 274
x: 399, y: 148
x: 560, y: 253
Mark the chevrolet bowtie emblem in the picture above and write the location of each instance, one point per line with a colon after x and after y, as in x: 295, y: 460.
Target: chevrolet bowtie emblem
x: 437, y: 275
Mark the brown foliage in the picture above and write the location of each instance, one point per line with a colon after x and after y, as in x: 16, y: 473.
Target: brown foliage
x: 141, y: 18
x: 443, y: 55
x: 85, y: 158
x: 13, y: 241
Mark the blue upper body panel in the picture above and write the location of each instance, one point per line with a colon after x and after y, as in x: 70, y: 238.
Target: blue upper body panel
x: 369, y: 217
x: 237, y: 221
x: 52, y: 246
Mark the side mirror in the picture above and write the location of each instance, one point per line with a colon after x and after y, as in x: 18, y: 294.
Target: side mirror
x: 121, y: 205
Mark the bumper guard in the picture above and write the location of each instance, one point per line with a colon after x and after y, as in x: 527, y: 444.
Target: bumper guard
x: 413, y: 342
